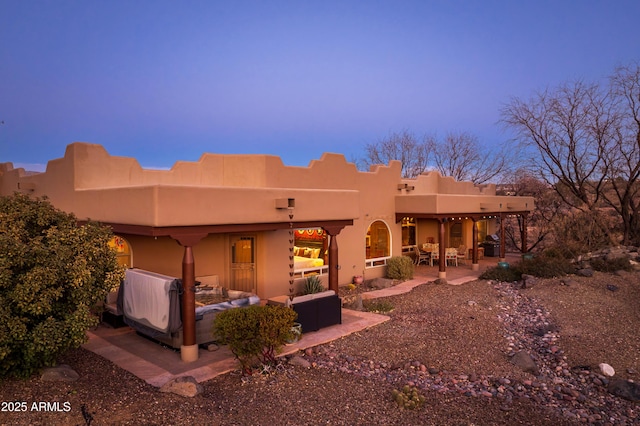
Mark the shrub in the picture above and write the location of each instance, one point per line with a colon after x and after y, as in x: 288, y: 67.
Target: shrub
x: 612, y: 265
x: 313, y: 284
x: 52, y: 273
x: 400, y: 268
x: 408, y: 397
x: 497, y: 273
x: 552, y: 263
x: 255, y: 332
x: 378, y: 306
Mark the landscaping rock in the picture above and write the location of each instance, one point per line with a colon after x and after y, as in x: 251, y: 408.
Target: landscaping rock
x: 612, y: 287
x: 528, y: 281
x: 607, y: 370
x: 60, y: 373
x: 568, y: 282
x: 300, y: 362
x: 585, y: 272
x: 184, y: 386
x: 379, y: 283
x: 441, y: 281
x: 525, y: 362
x: 625, y: 389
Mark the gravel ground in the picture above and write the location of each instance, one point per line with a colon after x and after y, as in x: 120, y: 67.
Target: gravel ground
x: 453, y: 343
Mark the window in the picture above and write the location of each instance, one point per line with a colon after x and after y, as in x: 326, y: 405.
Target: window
x: 378, y: 243
x: 122, y: 249
x: 310, y: 251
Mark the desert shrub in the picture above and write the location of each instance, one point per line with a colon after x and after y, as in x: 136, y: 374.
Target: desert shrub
x: 617, y: 264
x: 52, y: 273
x: 408, y: 397
x: 255, y: 333
x: 313, y: 284
x: 551, y: 263
x: 582, y: 231
x: 497, y: 273
x: 378, y: 306
x: 400, y: 268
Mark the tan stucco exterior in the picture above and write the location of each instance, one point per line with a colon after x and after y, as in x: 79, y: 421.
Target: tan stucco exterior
x: 244, y: 191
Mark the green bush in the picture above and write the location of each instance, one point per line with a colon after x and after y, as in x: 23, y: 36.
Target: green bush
x: 400, y: 268
x: 408, y: 397
x: 52, y: 273
x: 613, y: 265
x: 255, y: 333
x: 313, y: 284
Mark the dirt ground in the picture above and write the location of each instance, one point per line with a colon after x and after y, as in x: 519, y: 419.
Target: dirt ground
x: 454, y: 343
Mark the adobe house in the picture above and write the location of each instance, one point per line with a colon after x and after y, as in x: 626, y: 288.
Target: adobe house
x: 235, y: 220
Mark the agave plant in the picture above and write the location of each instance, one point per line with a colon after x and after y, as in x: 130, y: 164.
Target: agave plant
x: 313, y: 284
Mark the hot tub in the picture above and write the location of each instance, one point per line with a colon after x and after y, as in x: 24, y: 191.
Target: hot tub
x: 151, y: 305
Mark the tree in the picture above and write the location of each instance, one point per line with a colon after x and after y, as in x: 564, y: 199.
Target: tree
x: 576, y: 131
x: 622, y: 189
x: 540, y: 222
x: 404, y: 147
x: 460, y: 156
x: 587, y: 137
x: 52, y: 272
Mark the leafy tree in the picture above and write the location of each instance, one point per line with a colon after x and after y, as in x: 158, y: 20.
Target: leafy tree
x: 52, y: 272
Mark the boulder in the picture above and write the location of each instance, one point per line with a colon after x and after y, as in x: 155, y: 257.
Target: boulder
x: 60, y: 373
x: 184, y: 386
x: 441, y: 281
x: 625, y: 389
x: 523, y: 360
x: 528, y: 281
x: 380, y: 283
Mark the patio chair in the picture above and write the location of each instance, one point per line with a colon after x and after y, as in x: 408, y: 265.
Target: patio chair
x: 462, y: 254
x: 434, y: 255
x: 421, y: 256
x: 451, y: 255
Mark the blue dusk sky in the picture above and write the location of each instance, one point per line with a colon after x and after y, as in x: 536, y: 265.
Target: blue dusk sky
x: 164, y: 81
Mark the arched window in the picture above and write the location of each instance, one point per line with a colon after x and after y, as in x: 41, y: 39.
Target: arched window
x: 378, y: 240
x: 122, y: 249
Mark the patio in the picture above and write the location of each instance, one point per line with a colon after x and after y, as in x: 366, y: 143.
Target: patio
x: 157, y: 364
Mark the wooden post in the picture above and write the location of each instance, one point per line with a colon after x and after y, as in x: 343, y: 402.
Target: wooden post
x: 474, y: 241
x: 189, y: 348
x: 442, y: 263
x: 334, y: 266
x: 502, y: 239
x: 523, y: 236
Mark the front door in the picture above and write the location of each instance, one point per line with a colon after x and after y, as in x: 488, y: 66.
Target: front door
x: 243, y: 265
